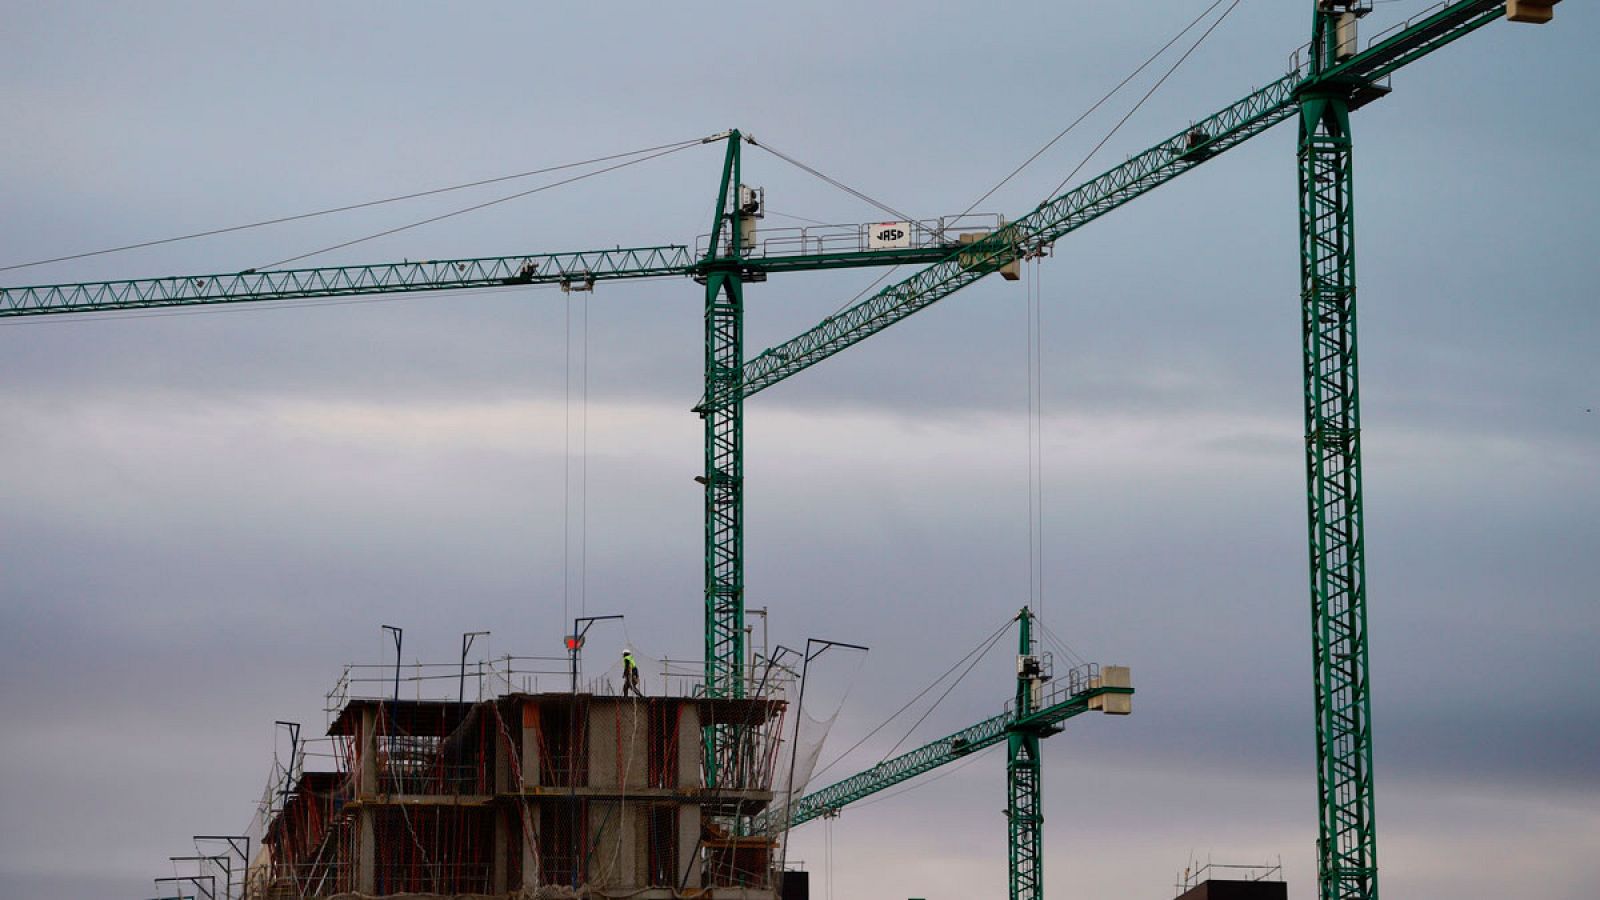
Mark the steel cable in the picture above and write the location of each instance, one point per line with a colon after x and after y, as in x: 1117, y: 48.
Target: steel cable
x: 1147, y: 94
x: 1097, y: 104
x: 347, y: 208
x: 925, y: 715
x: 981, y: 647
x: 833, y: 181
x: 477, y: 206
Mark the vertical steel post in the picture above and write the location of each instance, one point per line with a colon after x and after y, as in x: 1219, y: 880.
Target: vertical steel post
x: 1025, y: 817
x: 1347, y: 864
x: 399, y: 634
x: 723, y: 477
x: 466, y: 645
x: 1026, y: 824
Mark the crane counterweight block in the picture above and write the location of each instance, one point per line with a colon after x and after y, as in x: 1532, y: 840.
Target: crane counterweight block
x: 991, y: 252
x: 1535, y: 12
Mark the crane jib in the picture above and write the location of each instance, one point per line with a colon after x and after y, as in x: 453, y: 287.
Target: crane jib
x: 931, y: 756
x: 1140, y: 174
x: 568, y: 269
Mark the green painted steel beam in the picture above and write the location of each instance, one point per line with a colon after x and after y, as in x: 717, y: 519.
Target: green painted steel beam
x: 1047, y: 223
x: 723, y: 474
x: 251, y: 286
x: 931, y: 756
x: 1347, y: 841
x: 1347, y: 863
x: 1407, y: 45
x: 1024, y: 816
x: 347, y: 281
x: 1024, y: 775
x: 1140, y: 174
x: 909, y: 256
x: 813, y: 262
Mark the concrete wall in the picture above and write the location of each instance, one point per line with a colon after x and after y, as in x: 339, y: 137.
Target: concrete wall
x: 690, y: 747
x: 530, y: 744
x: 616, y: 834
x: 619, y: 736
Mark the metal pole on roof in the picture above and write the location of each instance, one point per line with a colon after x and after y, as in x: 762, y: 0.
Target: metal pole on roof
x: 794, y: 746
x: 239, y: 844
x: 574, y: 645
x: 399, y: 633
x: 466, y: 644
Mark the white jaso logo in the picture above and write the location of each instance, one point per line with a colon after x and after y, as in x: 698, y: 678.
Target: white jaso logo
x: 888, y: 235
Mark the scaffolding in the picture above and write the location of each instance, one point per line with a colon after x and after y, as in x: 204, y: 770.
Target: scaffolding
x: 527, y: 794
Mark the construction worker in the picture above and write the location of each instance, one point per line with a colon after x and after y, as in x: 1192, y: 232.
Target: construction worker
x: 630, y: 675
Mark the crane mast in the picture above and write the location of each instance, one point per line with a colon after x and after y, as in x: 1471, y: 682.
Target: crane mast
x: 1338, y: 78
x: 723, y: 478
x: 1024, y: 809
x: 1033, y: 714
x: 1347, y: 843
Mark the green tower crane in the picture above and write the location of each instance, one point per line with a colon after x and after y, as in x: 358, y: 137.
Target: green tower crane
x: 725, y: 267
x: 1347, y: 843
x: 1024, y: 817
x: 1338, y: 78
x: 723, y: 477
x: 1039, y: 708
x: 1320, y: 93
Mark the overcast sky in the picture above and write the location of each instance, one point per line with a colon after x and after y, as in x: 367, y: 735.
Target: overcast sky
x: 207, y: 515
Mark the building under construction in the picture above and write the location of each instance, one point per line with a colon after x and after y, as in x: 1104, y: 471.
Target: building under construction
x: 587, y: 792
x: 541, y: 794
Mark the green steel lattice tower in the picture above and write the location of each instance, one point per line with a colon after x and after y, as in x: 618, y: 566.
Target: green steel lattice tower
x: 1024, y: 812
x: 1347, y: 863
x: 723, y: 477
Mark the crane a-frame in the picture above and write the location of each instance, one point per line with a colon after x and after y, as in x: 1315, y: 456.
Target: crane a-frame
x: 1335, y: 78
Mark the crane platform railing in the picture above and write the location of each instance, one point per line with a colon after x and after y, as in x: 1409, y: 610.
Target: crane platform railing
x: 820, y: 239
x: 1417, y: 36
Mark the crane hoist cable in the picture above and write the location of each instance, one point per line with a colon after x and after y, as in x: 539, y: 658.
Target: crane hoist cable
x: 567, y: 516
x: 583, y: 598
x: 477, y: 206
x: 566, y: 463
x: 827, y: 857
x: 1035, y: 442
x: 348, y: 207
